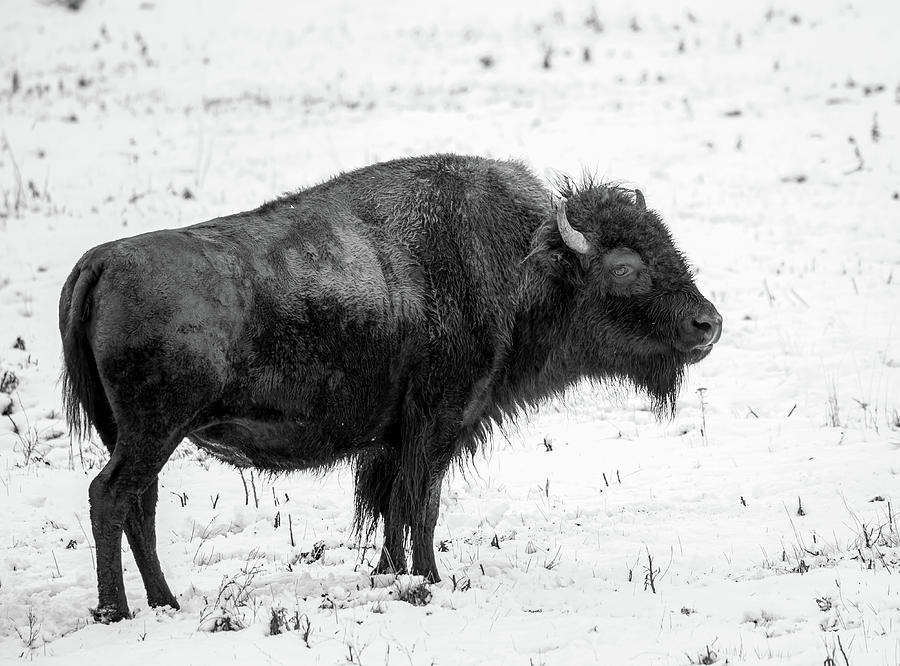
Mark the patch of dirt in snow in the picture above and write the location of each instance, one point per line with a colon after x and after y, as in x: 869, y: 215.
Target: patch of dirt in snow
x: 758, y: 526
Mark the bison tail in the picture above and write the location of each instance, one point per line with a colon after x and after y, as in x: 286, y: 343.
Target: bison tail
x: 84, y: 399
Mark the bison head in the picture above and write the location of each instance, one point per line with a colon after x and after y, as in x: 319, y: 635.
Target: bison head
x: 638, y: 315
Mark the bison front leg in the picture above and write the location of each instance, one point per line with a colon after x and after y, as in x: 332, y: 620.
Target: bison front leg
x: 426, y: 454
x: 424, y: 563
x: 376, y: 494
x: 393, y: 551
x: 399, y: 516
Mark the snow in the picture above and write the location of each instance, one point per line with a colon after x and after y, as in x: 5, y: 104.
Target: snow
x: 768, y: 504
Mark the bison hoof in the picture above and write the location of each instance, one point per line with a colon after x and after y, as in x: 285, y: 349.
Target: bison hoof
x: 159, y: 595
x: 109, y: 614
x: 161, y: 602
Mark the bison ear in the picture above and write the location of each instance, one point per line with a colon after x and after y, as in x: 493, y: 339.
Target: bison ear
x: 639, y: 200
x: 573, y: 238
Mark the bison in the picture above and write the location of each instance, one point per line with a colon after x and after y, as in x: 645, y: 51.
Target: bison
x: 387, y: 317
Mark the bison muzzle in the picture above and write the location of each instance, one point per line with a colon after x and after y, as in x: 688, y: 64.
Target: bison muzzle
x: 387, y: 317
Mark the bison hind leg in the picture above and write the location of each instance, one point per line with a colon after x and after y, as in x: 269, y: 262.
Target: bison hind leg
x: 140, y: 530
x: 123, y: 498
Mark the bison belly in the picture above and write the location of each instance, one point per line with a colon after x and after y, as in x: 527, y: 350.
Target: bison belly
x: 314, y: 403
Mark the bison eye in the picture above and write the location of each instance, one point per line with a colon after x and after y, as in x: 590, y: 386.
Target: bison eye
x: 622, y: 270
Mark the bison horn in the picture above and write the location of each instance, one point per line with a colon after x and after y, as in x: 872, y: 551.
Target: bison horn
x: 639, y: 200
x: 571, y: 237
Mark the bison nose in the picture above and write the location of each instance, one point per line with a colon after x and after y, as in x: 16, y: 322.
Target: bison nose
x: 701, y: 330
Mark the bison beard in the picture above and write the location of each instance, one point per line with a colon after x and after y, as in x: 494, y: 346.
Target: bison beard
x: 389, y: 317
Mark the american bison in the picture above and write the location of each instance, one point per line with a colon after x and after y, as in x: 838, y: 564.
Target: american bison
x: 386, y: 317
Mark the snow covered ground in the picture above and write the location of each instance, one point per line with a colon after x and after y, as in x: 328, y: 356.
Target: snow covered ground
x: 759, y: 526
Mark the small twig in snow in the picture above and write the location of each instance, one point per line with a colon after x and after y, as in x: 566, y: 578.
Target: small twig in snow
x: 861, y: 163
